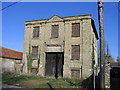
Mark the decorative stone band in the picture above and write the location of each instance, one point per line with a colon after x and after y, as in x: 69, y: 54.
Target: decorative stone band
x: 54, y: 48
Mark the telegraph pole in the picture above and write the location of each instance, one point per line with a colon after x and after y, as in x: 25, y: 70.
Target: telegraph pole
x: 102, y: 52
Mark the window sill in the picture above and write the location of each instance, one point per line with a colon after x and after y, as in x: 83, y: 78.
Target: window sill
x: 75, y: 36
x: 54, y: 38
x: 36, y: 38
x: 75, y: 59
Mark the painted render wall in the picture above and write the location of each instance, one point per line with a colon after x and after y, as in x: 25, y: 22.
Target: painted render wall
x: 10, y: 65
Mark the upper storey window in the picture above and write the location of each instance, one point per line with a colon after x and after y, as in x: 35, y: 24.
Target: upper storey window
x: 75, y: 29
x: 54, y: 31
x: 36, y: 32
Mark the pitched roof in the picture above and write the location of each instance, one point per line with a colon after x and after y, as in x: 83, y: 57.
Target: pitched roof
x: 114, y: 64
x: 8, y: 53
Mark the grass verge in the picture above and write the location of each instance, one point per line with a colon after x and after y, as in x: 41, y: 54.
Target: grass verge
x: 28, y: 81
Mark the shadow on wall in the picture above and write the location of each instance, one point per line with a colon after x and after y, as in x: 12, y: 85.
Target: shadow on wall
x: 88, y: 83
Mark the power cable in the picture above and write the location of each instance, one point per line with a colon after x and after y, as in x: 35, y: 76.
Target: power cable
x: 10, y: 5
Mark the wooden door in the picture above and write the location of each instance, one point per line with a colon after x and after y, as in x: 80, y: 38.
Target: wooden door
x: 54, y: 64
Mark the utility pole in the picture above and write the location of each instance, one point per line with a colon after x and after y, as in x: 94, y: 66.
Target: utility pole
x: 107, y: 50
x: 102, y: 51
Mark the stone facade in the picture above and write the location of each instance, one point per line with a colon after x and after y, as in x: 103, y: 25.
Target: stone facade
x: 63, y: 43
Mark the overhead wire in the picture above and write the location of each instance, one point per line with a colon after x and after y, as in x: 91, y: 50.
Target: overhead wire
x: 10, y: 5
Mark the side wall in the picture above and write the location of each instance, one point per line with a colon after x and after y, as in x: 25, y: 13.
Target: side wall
x: 10, y: 65
x: 84, y: 64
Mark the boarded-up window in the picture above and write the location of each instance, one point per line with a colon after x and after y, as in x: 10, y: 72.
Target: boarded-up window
x: 75, y: 29
x: 75, y: 73
x: 36, y: 32
x: 54, y: 31
x: 75, y: 51
x: 34, y: 52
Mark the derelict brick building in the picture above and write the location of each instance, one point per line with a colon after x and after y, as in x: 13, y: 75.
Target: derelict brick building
x: 64, y: 46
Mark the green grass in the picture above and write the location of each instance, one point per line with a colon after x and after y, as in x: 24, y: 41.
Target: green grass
x: 38, y: 82
x: 14, y: 78
x: 72, y: 80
